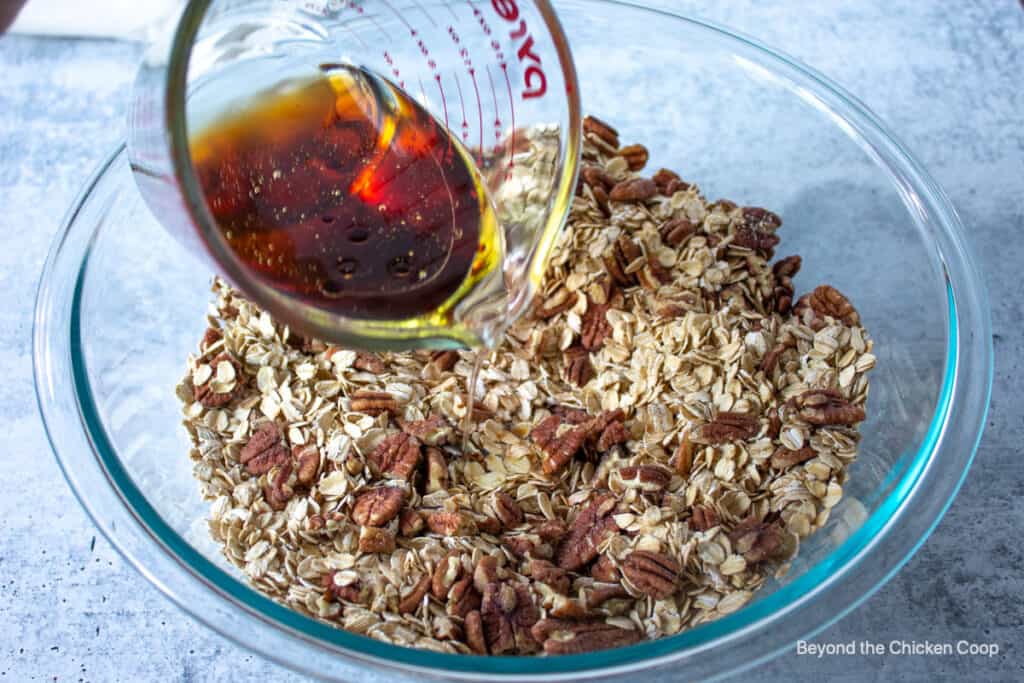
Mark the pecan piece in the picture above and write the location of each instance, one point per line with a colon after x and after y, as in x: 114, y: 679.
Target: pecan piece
x: 434, y: 431
x: 703, y: 518
x: 277, y: 492
x: 444, y: 361
x: 669, y: 183
x: 771, y: 359
x: 414, y: 598
x: 635, y: 155
x: 206, y: 392
x: 578, y: 370
x: 475, y: 633
x: 447, y: 523
x: 376, y: 540
x: 264, y: 450
x: 569, y: 415
x: 555, y: 577
x: 601, y: 198
x: 396, y: 456
x: 524, y: 616
x: 761, y: 219
x: 437, y: 471
x: 757, y: 540
x: 485, y: 572
x: 633, y: 190
x: 446, y: 573
x: 499, y: 601
x: 374, y: 402
x: 823, y: 407
x: 784, y: 458
x: 369, y: 362
x: 591, y: 527
x: 605, y: 570
x: 350, y: 592
x: 507, y: 510
x: 675, y: 232
x: 210, y: 337
x: 602, y: 594
x: 729, y: 426
x: 596, y: 327
x: 755, y: 240
x: 598, y: 178
x: 787, y: 267
x: 550, y: 529
x: 595, y: 126
x: 648, y: 478
x: 410, y: 523
x: 653, y: 574
x: 463, y: 598
x: 307, y: 459
x: 613, y: 432
x: 619, y: 261
x: 567, y: 637
x: 378, y: 506
x: 682, y: 460
x: 826, y: 300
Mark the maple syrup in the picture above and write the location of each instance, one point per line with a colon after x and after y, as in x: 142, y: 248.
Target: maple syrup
x: 344, y: 192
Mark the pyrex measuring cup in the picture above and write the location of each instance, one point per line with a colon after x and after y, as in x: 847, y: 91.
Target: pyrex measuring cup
x: 497, y: 74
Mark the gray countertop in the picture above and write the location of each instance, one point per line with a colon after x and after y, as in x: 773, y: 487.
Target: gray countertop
x: 947, y: 77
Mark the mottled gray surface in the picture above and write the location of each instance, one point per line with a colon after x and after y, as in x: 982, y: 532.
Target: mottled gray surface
x: 946, y: 76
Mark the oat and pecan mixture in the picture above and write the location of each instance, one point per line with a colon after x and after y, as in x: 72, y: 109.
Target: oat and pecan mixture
x: 650, y: 443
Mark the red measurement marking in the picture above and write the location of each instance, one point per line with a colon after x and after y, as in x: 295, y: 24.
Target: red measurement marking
x: 462, y: 103
x: 444, y: 102
x: 497, y: 112
x: 479, y: 116
x: 512, y: 111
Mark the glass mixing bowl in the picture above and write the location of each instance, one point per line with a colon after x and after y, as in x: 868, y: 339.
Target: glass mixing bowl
x: 121, y: 305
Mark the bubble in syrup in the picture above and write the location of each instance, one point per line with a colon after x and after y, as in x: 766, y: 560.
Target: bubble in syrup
x: 399, y: 266
x: 358, y: 235
x: 332, y: 288
x: 347, y: 267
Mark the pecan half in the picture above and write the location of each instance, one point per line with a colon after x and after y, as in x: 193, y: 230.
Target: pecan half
x: 507, y: 510
x: 601, y: 594
x: 437, y: 471
x: 277, y: 492
x: 635, y: 155
x: 648, y: 478
x: 757, y: 540
x: 787, y: 267
x: 368, y: 362
x: 598, y: 178
x: 682, y: 460
x: 547, y: 573
x: 524, y: 616
x: 604, y: 570
x: 826, y: 300
x: 434, y: 431
x: 653, y: 574
x: 784, y: 458
x: 828, y: 407
x: 633, y: 190
x: 205, y: 394
x: 755, y: 240
x: 444, y: 361
x: 378, y: 506
x: 376, y: 540
x: 475, y: 633
x: 558, y: 450
x: 499, y: 601
x: 729, y: 426
x: 397, y: 456
x: 578, y: 370
x: 703, y: 518
x: 591, y: 527
x: 485, y: 572
x: 612, y: 432
x: 566, y: 637
x: 410, y: 523
x: 446, y: 573
x: 676, y: 231
x: 761, y: 219
x: 620, y: 259
x: 414, y: 598
x: 307, y: 460
x: 664, y: 178
x: 596, y: 327
x: 559, y: 302
x: 595, y: 126
x: 463, y: 598
x: 447, y: 523
x: 601, y: 197
x: 264, y: 450
x: 374, y: 402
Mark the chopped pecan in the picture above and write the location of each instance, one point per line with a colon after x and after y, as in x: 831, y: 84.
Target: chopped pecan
x: 378, y: 506
x: 463, y: 598
x: 555, y: 577
x: 205, y: 393
x: 350, y: 592
x: 755, y: 240
x: 601, y: 197
x: 561, y: 301
x: 729, y: 426
x: 307, y: 459
x: 550, y: 529
x: 410, y: 523
x: 591, y: 527
x: 444, y: 360
x: 682, y: 460
x: 264, y: 450
x: 368, y: 362
x: 485, y: 572
x: 787, y: 267
x: 703, y: 518
x: 446, y: 573
x: 524, y: 616
x: 578, y: 370
x: 784, y: 458
x: 757, y: 540
x: 507, y: 510
x: 557, y: 449
x: 633, y: 190
x: 488, y: 525
x: 434, y: 431
x: 376, y: 540
x: 522, y: 545
x: 304, y: 343
x: 499, y: 601
x: 635, y: 155
x: 447, y: 523
x: 414, y: 598
x: 602, y: 593
x: 771, y: 359
x: 823, y: 407
x: 569, y: 415
x: 605, y: 570
x: 612, y: 433
x: 374, y: 402
x: 396, y: 456
x: 595, y: 126
x: 596, y: 327
x: 649, y: 478
x: 567, y: 637
x: 826, y: 300
x: 277, y: 492
x: 475, y: 633
x: 761, y: 219
x: 437, y: 471
x: 620, y: 259
x: 598, y: 178
x: 676, y: 231
x: 663, y: 178
x: 653, y: 574
x: 210, y: 337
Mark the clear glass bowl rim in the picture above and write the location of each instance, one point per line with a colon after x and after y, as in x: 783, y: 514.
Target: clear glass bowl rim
x: 809, y: 604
